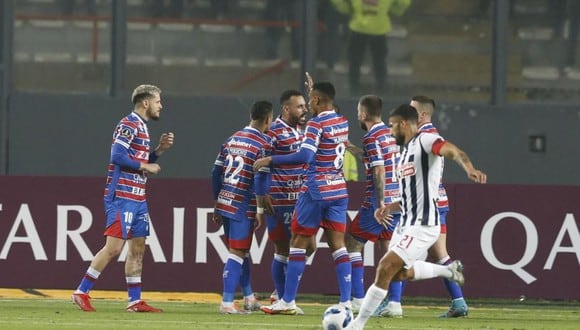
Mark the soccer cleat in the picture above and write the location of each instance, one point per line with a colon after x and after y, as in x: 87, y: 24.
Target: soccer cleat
x: 280, y: 307
x: 252, y: 304
x: 299, y: 311
x: 392, y: 309
x: 141, y: 306
x: 456, y: 268
x: 458, y: 309
x: 356, y: 303
x: 234, y: 309
x: 274, y: 296
x: 83, y: 300
x: 382, y: 306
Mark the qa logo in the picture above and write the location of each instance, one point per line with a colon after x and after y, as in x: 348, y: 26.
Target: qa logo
x: 569, y: 227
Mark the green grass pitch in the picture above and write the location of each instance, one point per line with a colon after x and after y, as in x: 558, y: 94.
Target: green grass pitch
x: 420, y: 313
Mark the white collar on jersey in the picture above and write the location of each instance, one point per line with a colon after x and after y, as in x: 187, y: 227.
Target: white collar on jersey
x: 327, y: 112
x: 253, y: 129
x: 375, y: 124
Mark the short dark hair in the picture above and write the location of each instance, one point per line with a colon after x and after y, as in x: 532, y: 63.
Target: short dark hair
x: 325, y: 88
x: 287, y: 94
x: 407, y: 112
x: 424, y: 100
x: 260, y: 110
x: 373, y: 104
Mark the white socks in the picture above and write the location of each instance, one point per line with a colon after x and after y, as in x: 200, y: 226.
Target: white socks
x: 425, y: 270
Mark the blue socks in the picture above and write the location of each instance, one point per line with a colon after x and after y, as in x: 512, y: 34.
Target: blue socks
x: 296, y: 265
x: 231, y: 277
x: 88, y: 280
x: 358, y: 290
x: 134, y: 288
x: 279, y: 265
x: 343, y: 273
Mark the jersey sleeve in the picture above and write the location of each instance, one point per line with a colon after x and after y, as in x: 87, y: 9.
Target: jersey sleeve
x: 266, y: 151
x: 372, y: 148
x: 124, y: 134
x: 431, y: 142
x: 220, y: 158
x: 312, y: 136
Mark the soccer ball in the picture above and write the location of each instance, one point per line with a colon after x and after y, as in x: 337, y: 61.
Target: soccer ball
x: 336, y: 317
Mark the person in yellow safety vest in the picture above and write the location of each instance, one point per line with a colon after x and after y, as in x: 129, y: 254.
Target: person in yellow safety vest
x: 369, y: 24
x: 350, y: 167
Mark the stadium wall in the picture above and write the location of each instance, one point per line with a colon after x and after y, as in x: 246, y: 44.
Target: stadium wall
x: 70, y: 135
x: 515, y: 240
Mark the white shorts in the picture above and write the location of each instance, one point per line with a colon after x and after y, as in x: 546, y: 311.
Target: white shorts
x: 411, y: 243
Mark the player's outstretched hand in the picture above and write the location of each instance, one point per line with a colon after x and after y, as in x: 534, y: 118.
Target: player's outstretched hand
x: 383, y: 216
x: 477, y: 176
x: 216, y: 218
x: 166, y: 141
x: 259, y: 221
x: 309, y: 82
x: 262, y: 162
x: 152, y: 168
x: 268, y: 205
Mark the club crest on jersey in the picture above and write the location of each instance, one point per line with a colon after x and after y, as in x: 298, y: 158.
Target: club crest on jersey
x: 125, y: 132
x: 407, y: 169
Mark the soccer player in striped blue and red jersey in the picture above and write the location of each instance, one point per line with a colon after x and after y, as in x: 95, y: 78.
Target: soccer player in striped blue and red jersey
x: 438, y: 252
x: 380, y: 156
x: 287, y: 133
x: 239, y: 192
x: 126, y: 209
x: 419, y: 174
x: 323, y: 198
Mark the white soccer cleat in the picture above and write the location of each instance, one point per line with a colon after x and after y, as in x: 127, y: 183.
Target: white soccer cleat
x: 456, y: 268
x: 280, y: 307
x: 393, y: 309
x: 252, y: 304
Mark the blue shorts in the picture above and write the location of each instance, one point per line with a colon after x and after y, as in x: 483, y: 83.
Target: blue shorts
x: 126, y: 219
x: 279, y: 223
x: 364, y: 227
x: 238, y: 233
x: 310, y: 215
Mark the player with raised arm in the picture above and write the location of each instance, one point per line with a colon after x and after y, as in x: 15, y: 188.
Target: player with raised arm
x: 438, y: 252
x: 126, y: 211
x: 419, y: 174
x: 239, y: 192
x: 323, y: 198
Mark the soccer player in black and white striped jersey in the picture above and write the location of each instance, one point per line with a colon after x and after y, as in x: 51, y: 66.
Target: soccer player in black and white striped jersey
x: 419, y: 174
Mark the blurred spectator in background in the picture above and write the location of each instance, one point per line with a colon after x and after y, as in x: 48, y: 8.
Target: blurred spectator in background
x: 68, y: 7
x: 167, y: 8
x: 566, y: 17
x: 330, y: 37
x: 282, y: 11
x: 369, y: 24
x: 220, y: 8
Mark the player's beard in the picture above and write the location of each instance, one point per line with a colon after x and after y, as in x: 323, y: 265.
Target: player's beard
x: 153, y: 114
x: 363, y: 126
x: 400, y: 139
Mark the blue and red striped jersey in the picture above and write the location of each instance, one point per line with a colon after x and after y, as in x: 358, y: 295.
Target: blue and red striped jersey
x: 236, y: 199
x: 326, y: 135
x: 286, y: 179
x: 380, y: 149
x: 132, y: 134
x: 443, y: 202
